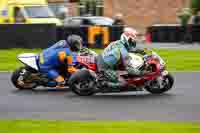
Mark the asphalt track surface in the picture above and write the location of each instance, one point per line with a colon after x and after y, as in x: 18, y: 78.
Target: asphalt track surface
x: 182, y: 103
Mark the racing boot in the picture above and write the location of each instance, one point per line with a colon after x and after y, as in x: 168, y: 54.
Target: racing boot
x: 60, y: 82
x: 113, y: 86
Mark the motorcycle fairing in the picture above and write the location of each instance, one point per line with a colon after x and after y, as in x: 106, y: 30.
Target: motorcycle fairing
x: 88, y: 61
x: 29, y: 59
x: 136, y: 61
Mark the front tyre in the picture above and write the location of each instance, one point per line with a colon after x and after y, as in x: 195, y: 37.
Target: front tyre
x: 168, y: 83
x: 17, y: 79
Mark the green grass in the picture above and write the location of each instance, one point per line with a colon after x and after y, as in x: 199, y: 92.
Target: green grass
x: 177, y: 60
x: 36, y: 126
x: 8, y: 60
x: 181, y: 60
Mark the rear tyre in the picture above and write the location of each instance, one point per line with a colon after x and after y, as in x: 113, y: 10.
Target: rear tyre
x: 82, y: 83
x: 82, y: 88
x: 168, y: 83
x: 17, y: 80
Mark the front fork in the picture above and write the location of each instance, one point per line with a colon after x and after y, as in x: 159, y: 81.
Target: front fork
x: 161, y: 78
x: 159, y: 82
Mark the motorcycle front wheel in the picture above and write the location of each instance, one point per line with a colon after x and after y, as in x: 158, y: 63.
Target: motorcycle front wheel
x: 168, y: 84
x: 17, y: 79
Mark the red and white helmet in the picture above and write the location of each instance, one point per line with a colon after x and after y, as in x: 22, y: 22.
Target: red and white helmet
x: 129, y: 37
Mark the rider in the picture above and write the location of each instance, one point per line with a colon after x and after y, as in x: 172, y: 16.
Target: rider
x: 117, y: 54
x: 57, y: 55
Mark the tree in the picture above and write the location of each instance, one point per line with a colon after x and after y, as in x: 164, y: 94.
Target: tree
x: 184, y: 15
x: 195, y: 6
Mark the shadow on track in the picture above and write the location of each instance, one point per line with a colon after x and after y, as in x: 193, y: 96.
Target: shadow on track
x: 121, y: 96
x: 99, y: 96
x: 42, y: 91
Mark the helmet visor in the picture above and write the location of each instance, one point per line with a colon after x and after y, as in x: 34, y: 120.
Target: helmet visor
x: 132, y: 43
x: 77, y: 45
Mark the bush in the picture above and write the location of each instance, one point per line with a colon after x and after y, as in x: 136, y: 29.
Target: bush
x: 195, y: 6
x: 184, y: 15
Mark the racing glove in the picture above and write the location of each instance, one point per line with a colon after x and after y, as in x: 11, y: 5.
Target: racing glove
x: 71, y: 69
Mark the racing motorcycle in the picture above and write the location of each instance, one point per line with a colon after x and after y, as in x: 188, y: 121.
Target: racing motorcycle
x: 158, y: 80
x: 29, y: 77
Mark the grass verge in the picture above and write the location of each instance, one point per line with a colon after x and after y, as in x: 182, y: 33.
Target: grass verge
x: 36, y: 126
x: 177, y: 60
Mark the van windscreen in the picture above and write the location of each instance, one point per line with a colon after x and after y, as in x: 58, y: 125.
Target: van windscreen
x: 38, y: 12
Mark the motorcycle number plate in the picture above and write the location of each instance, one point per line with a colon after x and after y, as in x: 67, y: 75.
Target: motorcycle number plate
x: 164, y: 73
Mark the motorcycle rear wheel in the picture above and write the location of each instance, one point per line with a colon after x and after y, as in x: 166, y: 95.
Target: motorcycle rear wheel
x: 15, y: 78
x: 82, y: 87
x: 170, y: 81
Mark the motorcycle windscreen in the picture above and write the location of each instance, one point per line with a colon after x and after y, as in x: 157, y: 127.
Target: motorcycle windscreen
x: 29, y: 59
